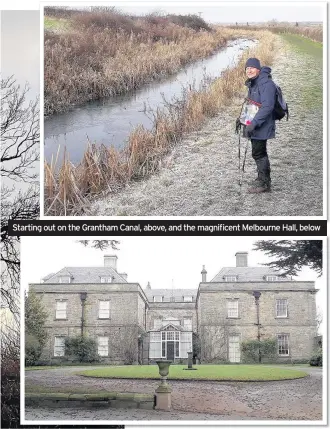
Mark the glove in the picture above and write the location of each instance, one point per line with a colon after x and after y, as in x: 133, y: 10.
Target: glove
x: 249, y: 129
x: 238, y: 125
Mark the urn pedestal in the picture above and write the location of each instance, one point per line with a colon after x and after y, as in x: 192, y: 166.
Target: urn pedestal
x: 163, y: 391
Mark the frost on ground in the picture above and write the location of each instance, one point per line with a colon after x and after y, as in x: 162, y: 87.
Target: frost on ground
x: 200, y: 176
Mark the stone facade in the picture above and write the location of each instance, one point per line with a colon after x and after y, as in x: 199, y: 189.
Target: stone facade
x: 141, y: 325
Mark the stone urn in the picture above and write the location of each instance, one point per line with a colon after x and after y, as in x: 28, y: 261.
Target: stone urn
x: 164, y: 367
x: 163, y: 392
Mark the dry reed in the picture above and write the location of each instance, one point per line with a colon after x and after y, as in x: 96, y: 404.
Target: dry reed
x: 93, y: 62
x: 314, y: 32
x: 105, y: 169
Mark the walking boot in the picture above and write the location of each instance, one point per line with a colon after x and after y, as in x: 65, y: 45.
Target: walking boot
x: 257, y: 181
x: 259, y: 188
x: 263, y: 181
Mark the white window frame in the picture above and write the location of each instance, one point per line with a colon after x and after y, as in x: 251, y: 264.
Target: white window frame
x: 284, y: 342
x: 59, y: 349
x: 106, y: 279
x: 103, y: 346
x: 232, y: 310
x: 277, y: 305
x: 230, y: 278
x: 64, y: 279
x: 272, y: 278
x: 157, y: 300
x: 61, y: 313
x: 185, y: 344
x: 104, y: 309
x: 154, y: 339
x: 234, y: 353
x: 187, y: 298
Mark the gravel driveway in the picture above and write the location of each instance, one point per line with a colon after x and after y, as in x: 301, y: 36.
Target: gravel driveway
x: 200, y: 176
x: 299, y: 399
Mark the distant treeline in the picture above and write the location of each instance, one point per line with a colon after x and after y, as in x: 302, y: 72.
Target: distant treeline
x: 313, y: 32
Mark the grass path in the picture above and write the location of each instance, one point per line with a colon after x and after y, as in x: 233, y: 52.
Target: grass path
x: 200, y: 177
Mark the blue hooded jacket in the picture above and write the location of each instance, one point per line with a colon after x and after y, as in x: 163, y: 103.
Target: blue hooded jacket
x: 263, y: 90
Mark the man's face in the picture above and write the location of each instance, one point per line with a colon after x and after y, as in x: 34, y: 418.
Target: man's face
x: 252, y: 72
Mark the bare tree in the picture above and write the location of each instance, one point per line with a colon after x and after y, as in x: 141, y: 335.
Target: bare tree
x: 100, y: 244
x: 19, y: 200
x: 19, y: 189
x: 214, y: 343
x: 19, y: 132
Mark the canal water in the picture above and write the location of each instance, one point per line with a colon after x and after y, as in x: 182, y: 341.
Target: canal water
x: 110, y: 121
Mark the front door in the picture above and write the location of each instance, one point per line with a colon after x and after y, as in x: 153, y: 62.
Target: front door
x: 170, y: 350
x: 234, y: 352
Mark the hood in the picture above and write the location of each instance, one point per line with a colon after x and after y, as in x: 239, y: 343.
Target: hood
x: 265, y: 73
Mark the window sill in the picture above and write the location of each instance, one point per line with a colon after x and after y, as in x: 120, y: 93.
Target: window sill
x: 103, y: 318
x: 235, y: 318
x: 58, y: 320
x: 281, y: 317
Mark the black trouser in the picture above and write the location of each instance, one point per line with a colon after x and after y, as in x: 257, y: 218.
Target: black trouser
x: 259, y: 154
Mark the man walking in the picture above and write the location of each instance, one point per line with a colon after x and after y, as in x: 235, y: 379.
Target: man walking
x: 262, y: 93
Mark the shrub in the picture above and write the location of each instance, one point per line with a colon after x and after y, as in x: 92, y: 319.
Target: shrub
x: 82, y: 349
x: 191, y: 21
x: 106, y: 19
x: 250, y: 350
x: 33, y: 350
x: 316, y: 359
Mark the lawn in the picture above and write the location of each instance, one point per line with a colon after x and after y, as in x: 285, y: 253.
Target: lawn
x: 203, y: 372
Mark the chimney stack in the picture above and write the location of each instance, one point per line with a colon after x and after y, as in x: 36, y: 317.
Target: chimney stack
x: 110, y: 261
x: 241, y: 259
x: 204, y: 272
x: 124, y: 275
x: 148, y: 286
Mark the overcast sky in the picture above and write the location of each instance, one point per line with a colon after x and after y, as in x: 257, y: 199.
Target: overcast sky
x: 231, y: 11
x: 20, y: 47
x: 164, y: 261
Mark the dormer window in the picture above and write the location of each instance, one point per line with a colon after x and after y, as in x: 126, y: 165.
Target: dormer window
x: 64, y: 279
x: 187, y: 299
x: 158, y: 298
x: 272, y: 278
x: 230, y: 278
x: 106, y: 279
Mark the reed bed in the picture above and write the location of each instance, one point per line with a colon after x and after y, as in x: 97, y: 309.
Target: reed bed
x: 107, y: 170
x: 311, y: 32
x: 314, y: 32
x: 107, y: 53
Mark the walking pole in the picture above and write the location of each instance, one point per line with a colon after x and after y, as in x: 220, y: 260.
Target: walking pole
x: 243, y: 164
x: 239, y: 152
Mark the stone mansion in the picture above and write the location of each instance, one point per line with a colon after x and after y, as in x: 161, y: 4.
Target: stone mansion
x: 133, y: 324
